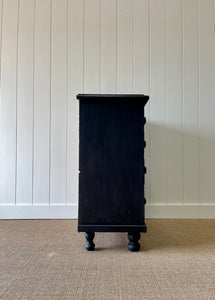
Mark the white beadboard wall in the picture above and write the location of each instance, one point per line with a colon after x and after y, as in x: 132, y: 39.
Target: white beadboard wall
x: 52, y: 50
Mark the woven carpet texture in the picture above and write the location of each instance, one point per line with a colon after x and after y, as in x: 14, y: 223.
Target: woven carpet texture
x: 46, y: 259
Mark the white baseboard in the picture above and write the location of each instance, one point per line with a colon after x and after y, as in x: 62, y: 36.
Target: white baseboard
x: 70, y: 211
x: 180, y: 211
x: 39, y: 211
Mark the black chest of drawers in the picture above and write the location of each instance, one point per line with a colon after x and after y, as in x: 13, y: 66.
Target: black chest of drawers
x: 111, y: 166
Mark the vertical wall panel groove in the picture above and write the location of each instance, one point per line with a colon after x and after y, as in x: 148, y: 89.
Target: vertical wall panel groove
x: 83, y: 24
x: 116, y: 43
x: 182, y: 99
x: 17, y: 57
x: 165, y: 105
x: 199, y: 163
x: 1, y: 22
x: 133, y: 47
x: 147, y: 111
x: 67, y: 106
x: 100, y: 43
x: 50, y: 104
x: 33, y: 93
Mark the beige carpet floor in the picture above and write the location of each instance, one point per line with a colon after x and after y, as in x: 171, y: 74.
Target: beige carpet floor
x: 46, y: 259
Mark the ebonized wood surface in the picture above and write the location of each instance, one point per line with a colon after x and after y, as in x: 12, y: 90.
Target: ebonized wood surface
x: 111, y: 163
